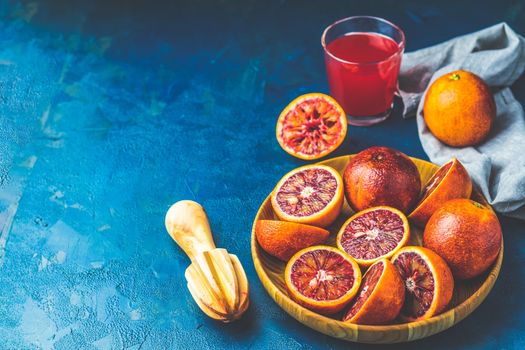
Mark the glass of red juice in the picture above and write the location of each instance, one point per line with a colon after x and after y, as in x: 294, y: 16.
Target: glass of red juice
x: 363, y: 56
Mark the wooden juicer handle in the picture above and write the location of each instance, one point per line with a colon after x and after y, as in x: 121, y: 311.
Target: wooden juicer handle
x: 187, y: 223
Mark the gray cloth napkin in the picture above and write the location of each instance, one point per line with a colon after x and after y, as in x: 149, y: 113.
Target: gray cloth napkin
x: 496, y: 54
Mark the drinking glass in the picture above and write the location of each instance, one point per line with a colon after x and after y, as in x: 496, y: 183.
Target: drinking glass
x: 363, y: 55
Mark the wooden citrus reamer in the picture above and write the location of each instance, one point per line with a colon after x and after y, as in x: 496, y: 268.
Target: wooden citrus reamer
x: 216, y: 279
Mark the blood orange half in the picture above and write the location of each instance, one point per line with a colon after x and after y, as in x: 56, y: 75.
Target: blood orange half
x: 380, y: 296
x: 311, y: 126
x: 283, y: 239
x: 373, y: 234
x: 429, y: 284
x: 322, y: 279
x: 449, y: 182
x: 312, y: 194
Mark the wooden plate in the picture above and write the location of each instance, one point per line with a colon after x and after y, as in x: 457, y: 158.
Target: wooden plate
x: 468, y: 295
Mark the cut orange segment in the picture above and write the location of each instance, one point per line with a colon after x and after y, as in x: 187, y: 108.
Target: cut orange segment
x: 311, y: 126
x: 380, y: 296
x: 283, y: 239
x: 429, y: 284
x: 322, y: 279
x: 451, y: 181
x: 373, y: 234
x: 312, y: 195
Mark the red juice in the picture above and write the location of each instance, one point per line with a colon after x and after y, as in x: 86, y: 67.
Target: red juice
x: 362, y: 72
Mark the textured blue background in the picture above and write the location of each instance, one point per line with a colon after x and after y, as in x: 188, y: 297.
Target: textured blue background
x: 110, y: 112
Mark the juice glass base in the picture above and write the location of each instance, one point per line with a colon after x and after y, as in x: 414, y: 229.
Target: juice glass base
x: 367, y: 121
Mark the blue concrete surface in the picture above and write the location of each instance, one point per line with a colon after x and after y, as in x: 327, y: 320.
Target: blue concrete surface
x: 111, y: 111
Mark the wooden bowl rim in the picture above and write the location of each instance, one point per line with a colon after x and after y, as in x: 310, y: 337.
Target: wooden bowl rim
x: 475, y: 299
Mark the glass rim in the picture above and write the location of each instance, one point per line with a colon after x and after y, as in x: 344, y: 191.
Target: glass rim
x: 401, y: 45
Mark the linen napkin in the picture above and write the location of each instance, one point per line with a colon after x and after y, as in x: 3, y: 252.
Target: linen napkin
x: 497, y: 55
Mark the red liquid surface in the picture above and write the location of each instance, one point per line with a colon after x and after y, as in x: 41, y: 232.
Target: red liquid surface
x: 363, y: 76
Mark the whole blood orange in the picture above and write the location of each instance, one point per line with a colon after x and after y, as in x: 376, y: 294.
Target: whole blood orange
x: 449, y: 182
x: 311, y: 194
x: 283, y: 239
x: 373, y: 234
x: 322, y: 279
x: 311, y: 126
x: 459, y: 109
x: 380, y: 297
x: 381, y: 176
x: 429, y: 284
x: 466, y: 234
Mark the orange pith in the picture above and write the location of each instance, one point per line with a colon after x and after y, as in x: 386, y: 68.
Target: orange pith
x: 322, y: 279
x: 311, y: 126
x: 312, y: 195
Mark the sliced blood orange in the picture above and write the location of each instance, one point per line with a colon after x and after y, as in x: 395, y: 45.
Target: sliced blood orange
x: 283, y: 239
x: 312, y: 194
x: 311, y: 126
x: 380, y: 296
x: 428, y: 282
x: 322, y: 279
x: 373, y: 234
x: 451, y: 181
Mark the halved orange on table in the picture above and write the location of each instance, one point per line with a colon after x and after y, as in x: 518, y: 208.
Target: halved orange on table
x: 311, y: 126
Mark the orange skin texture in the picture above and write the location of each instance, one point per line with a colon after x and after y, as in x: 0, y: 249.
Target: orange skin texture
x: 444, y: 282
x: 380, y: 176
x: 466, y: 234
x: 459, y: 109
x: 455, y: 184
x: 283, y: 239
x: 385, y: 302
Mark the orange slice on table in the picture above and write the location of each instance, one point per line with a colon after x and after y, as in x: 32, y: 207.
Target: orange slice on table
x: 429, y: 284
x: 322, y: 279
x: 373, y: 234
x: 312, y: 195
x: 311, y: 126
